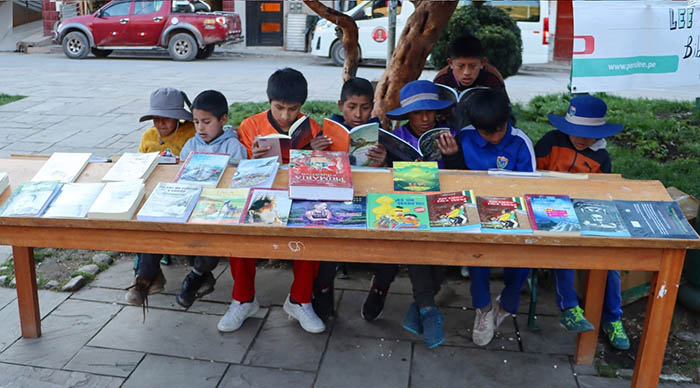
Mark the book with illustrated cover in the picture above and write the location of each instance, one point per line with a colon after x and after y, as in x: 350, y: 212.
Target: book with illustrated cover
x: 397, y: 211
x: 74, y: 200
x: 62, y: 166
x: 132, y: 165
x: 403, y: 150
x: 552, y: 215
x: 655, y: 219
x: 30, y: 199
x: 255, y: 173
x: 220, y: 206
x: 599, y: 218
x: 320, y: 175
x: 170, y: 202
x: 356, y: 142
x: 329, y: 214
x: 118, y: 200
x: 416, y: 176
x: 299, y: 136
x: 456, y: 114
x: 503, y: 215
x: 203, y: 169
x: 4, y: 181
x: 268, y: 207
x: 453, y: 212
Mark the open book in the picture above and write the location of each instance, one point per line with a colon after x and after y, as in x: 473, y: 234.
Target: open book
x: 403, y: 150
x: 356, y: 142
x: 298, y: 137
x: 457, y: 113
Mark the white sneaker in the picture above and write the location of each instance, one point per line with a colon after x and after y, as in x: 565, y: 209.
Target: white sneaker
x: 237, y: 313
x: 499, y: 314
x: 484, y: 326
x: 305, y: 314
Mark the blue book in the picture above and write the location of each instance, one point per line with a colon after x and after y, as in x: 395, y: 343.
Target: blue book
x: 552, y: 215
x: 170, y: 202
x: 30, y: 199
x: 329, y: 214
x: 599, y: 218
x: 655, y: 219
x: 203, y: 169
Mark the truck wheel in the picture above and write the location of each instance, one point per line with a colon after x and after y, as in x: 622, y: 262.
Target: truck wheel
x: 99, y: 53
x: 206, y: 52
x: 338, y: 53
x: 75, y: 45
x: 182, y: 47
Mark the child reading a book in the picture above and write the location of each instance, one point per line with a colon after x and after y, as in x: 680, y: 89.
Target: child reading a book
x: 492, y: 142
x: 578, y: 146
x: 172, y: 124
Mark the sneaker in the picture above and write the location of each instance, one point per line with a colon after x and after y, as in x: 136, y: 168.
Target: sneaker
x: 237, y: 313
x: 207, y: 286
x: 573, y: 320
x: 304, y: 313
x: 433, y: 334
x: 188, y: 292
x: 500, y: 315
x: 484, y: 326
x: 374, y: 303
x: 322, y: 303
x: 616, y: 335
x: 413, y: 322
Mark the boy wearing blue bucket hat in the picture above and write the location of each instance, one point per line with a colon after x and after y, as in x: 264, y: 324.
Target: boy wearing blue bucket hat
x: 578, y: 146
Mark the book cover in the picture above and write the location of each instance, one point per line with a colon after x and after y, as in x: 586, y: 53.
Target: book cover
x: 267, y: 207
x: 552, y: 214
x: 62, y: 166
x: 170, y: 202
x: 456, y: 114
x: 503, y: 215
x: 453, y: 212
x: 416, y: 176
x: 203, y: 169
x: 655, y: 219
x: 329, y: 214
x: 255, y: 173
x: 320, y: 175
x: 118, y: 200
x: 299, y: 136
x: 4, y: 181
x: 220, y: 206
x: 132, y: 165
x: 397, y: 211
x: 403, y: 150
x: 74, y: 200
x: 30, y: 199
x: 599, y: 218
x: 356, y: 141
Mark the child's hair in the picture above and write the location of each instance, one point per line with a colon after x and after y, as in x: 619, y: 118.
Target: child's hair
x: 488, y: 109
x: 211, y: 101
x: 466, y: 46
x: 356, y: 86
x: 287, y: 85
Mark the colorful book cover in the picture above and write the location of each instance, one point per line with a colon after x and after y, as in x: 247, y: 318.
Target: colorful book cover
x: 298, y: 137
x: 132, y: 165
x: 599, y: 218
x: 503, y: 215
x: 4, y: 181
x: 320, y: 175
x: 203, y: 169
x: 356, y: 141
x: 552, y: 214
x: 453, y: 212
x: 118, y: 200
x: 30, y: 199
x: 255, y: 173
x: 403, y: 150
x: 416, y: 176
x: 62, y: 166
x: 170, y: 202
x: 220, y: 206
x: 329, y: 214
x: 74, y: 200
x: 655, y: 219
x: 268, y: 207
x: 397, y: 211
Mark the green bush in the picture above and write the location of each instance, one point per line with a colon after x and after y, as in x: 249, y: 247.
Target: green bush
x: 498, y: 32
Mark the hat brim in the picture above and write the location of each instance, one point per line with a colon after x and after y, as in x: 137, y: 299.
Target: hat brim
x: 402, y: 112
x: 593, y: 132
x: 177, y: 114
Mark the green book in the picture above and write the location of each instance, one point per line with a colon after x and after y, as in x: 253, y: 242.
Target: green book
x: 416, y: 176
x: 397, y: 211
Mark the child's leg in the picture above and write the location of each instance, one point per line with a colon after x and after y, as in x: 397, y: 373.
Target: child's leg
x: 243, y: 273
x: 204, y: 264
x: 384, y: 275
x: 373, y: 305
x: 514, y: 279
x: 439, y: 273
x: 326, y: 274
x: 305, y: 272
x: 324, y: 297
x: 564, y: 287
x: 612, y: 304
x: 423, y: 285
x: 148, y: 265
x: 481, y: 296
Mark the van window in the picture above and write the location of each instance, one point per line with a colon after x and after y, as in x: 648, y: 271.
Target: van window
x: 520, y: 11
x: 375, y: 9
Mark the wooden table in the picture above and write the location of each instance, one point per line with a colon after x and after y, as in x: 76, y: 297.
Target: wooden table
x: 664, y: 257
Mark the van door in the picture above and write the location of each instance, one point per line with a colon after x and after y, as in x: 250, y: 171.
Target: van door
x: 373, y: 22
x: 533, y: 19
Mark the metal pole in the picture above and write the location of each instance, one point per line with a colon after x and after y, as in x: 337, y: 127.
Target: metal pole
x: 391, y: 35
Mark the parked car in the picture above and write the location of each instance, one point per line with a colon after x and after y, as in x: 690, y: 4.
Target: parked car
x: 175, y: 25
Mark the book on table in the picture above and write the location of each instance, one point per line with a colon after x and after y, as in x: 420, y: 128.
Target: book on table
x: 62, y: 166
x: 299, y: 136
x: 132, y: 165
x: 551, y: 214
x: 456, y: 114
x: 74, y: 200
x: 329, y: 214
x: 255, y: 173
x: 220, y: 206
x: 30, y: 199
x: 598, y: 217
x: 403, y: 150
x: 655, y: 219
x: 503, y: 215
x: 170, y: 202
x: 416, y: 176
x: 118, y: 200
x: 397, y: 211
x: 320, y: 175
x: 356, y: 141
x: 4, y: 181
x: 268, y: 207
x: 453, y: 212
x: 203, y: 169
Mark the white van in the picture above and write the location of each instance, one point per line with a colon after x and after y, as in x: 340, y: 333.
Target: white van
x: 372, y: 22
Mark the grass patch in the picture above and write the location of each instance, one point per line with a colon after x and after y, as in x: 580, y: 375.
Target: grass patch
x: 607, y: 370
x: 7, y: 98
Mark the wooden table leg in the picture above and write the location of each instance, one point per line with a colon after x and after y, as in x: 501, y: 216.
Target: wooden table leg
x: 595, y: 291
x: 27, y: 297
x: 657, y: 320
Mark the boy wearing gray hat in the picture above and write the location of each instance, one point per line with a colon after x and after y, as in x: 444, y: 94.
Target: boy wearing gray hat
x: 172, y: 123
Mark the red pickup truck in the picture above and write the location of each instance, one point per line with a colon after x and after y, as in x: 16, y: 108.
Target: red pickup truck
x: 149, y: 24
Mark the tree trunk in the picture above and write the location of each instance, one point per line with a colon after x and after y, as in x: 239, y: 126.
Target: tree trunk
x: 417, y: 40
x: 349, y: 37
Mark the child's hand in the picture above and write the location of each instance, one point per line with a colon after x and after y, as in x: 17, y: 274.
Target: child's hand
x: 377, y: 153
x: 259, y: 152
x: 447, y: 144
x: 321, y: 143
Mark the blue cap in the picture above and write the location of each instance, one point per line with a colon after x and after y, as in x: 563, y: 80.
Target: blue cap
x: 418, y: 95
x: 585, y: 118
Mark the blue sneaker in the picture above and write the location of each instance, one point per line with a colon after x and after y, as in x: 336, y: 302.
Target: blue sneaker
x: 615, y: 333
x: 433, y: 335
x: 573, y: 320
x: 412, y: 322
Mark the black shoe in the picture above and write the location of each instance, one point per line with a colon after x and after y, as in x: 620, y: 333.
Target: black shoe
x: 322, y: 302
x: 189, y: 289
x: 374, y: 304
x: 207, y: 286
